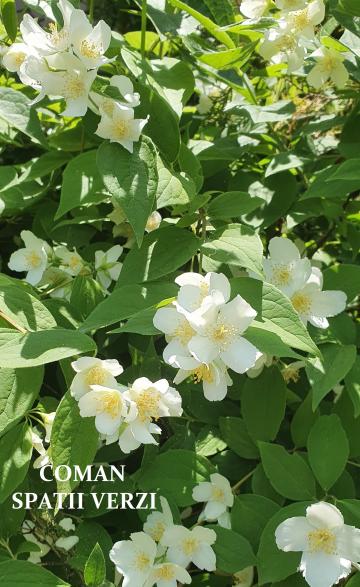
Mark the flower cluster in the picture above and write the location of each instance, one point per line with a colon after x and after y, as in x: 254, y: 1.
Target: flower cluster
x: 56, y: 267
x: 302, y: 283
x: 126, y: 415
x: 204, y: 331
x: 63, y: 61
x: 328, y: 546
x: 293, y: 38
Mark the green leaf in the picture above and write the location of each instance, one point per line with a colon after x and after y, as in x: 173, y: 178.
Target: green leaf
x: 90, y: 533
x: 233, y: 551
x: 67, y: 440
x: 24, y: 310
x: 16, y: 111
x: 15, y: 455
x: 263, y: 404
x: 82, y: 183
x: 303, y: 421
x: 343, y: 277
x: 328, y: 450
x: 12, y: 519
x: 236, y: 436
x: 324, y: 374
x: 127, y: 301
x: 45, y: 164
x: 9, y: 17
x: 250, y: 514
x: 232, y: 205
x: 349, y: 170
x: 86, y: 294
x: 18, y: 390
x: 282, y: 162
x: 162, y: 252
x: 273, y: 563
x: 232, y: 58
x: 288, y: 473
x: 237, y: 245
x: 39, y: 348
x: 352, y: 384
x: 173, y: 189
x: 95, y: 569
x: 176, y: 481
x: 132, y: 179
x: 16, y: 573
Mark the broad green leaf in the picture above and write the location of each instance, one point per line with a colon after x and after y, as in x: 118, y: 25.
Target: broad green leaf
x: 173, y: 189
x: 127, y: 301
x: 350, y: 7
x: 352, y: 384
x: 82, y: 183
x: 349, y: 170
x: 325, y: 373
x: 17, y: 573
x: 233, y: 551
x: 328, y: 450
x: 344, y: 408
x: 132, y: 179
x: 20, y: 308
x: 288, y: 473
x: 250, y: 514
x: 232, y: 58
x: 18, y: 390
x: 176, y: 472
x: 67, y: 440
x: 282, y: 162
x: 39, y: 348
x: 236, y: 436
x: 263, y: 402
x: 86, y: 294
x: 208, y: 442
x: 303, y: 421
x: 91, y: 533
x: 232, y: 205
x: 162, y: 252
x: 273, y: 563
x: 343, y: 277
x: 95, y: 569
x: 16, y: 111
x: 261, y: 485
x: 237, y: 245
x: 9, y: 17
x: 15, y: 455
x: 354, y: 581
x: 45, y: 164
x: 223, y: 11
x: 12, y: 519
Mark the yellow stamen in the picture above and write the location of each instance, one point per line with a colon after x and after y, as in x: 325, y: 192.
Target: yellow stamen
x: 96, y: 376
x: 189, y: 545
x: 301, y: 303
x: 184, y: 332
x: 281, y: 275
x: 33, y: 259
x: 165, y: 573
x: 322, y: 540
x: 157, y: 531
x: 148, y: 404
x: 90, y: 50
x: 142, y: 561
x: 73, y: 87
x: 110, y: 403
x: 203, y: 373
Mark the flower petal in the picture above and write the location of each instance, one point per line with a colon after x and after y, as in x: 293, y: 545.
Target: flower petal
x: 283, y: 250
x: 323, y: 570
x: 241, y: 355
x: 292, y: 534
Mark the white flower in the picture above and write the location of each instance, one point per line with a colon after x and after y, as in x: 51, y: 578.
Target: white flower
x: 290, y: 5
x: 314, y: 305
x: 89, y: 43
x: 105, y: 104
x: 219, y: 332
x: 134, y: 558
x: 178, y: 332
x: 121, y: 126
x: 92, y: 371
x: 195, y: 289
x: 329, y: 66
x: 153, y: 222
x: 190, y: 546
x: 328, y: 545
x: 214, y: 377
x: 254, y: 8
x: 67, y: 524
x: 217, y: 494
x: 43, y: 458
x: 244, y: 578
x: 67, y: 542
x: 107, y: 404
x: 302, y: 22
x: 264, y: 360
x: 291, y: 371
x: 148, y: 402
x: 107, y: 266
x: 284, y: 267
x: 32, y: 258
x: 48, y: 420
x: 167, y: 575
x: 48, y: 43
x: 14, y: 58
x: 282, y: 46
x: 157, y: 522
x: 71, y: 262
x: 69, y: 79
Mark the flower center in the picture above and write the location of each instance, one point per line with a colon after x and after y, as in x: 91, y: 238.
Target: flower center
x: 90, y: 50
x: 189, y: 546
x: 57, y: 37
x: 142, y: 561
x: 203, y: 373
x: 74, y: 262
x: 73, y: 87
x: 291, y: 374
x: 148, y: 405
x: 95, y: 376
x: 157, y: 531
x: 222, y: 334
x: 301, y: 303
x: 301, y: 20
x: 322, y: 541
x: 285, y: 43
x: 19, y: 58
x: 108, y: 107
x: 328, y: 63
x: 110, y: 403
x: 218, y: 494
x: 165, y: 572
x: 33, y: 259
x: 184, y: 332
x: 281, y: 275
x: 120, y: 129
